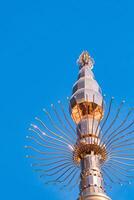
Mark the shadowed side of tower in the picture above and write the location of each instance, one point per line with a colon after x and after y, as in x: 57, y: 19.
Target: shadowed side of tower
x: 86, y: 109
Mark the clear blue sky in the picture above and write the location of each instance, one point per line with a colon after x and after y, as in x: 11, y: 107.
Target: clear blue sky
x: 39, y: 44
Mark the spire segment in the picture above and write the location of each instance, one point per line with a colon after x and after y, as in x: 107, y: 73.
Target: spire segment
x: 85, y: 60
x: 86, y: 108
x: 86, y: 96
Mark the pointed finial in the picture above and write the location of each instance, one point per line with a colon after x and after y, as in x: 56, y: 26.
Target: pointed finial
x: 85, y: 59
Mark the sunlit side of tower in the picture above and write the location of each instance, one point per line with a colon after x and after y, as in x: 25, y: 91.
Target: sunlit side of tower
x: 86, y: 109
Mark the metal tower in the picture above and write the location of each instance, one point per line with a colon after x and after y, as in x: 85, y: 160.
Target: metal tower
x: 86, y: 108
x: 94, y: 154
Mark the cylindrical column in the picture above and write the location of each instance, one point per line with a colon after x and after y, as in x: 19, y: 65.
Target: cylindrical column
x: 91, y: 186
x: 87, y: 110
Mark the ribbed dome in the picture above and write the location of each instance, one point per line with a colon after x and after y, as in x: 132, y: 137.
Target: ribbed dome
x: 85, y: 90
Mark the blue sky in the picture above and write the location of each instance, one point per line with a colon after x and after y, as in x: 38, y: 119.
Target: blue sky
x: 39, y: 44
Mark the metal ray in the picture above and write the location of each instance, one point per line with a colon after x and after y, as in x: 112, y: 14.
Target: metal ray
x: 115, y: 118
x: 121, y: 124
x: 76, y: 183
x: 47, y: 146
x: 122, y: 131
x: 51, y: 137
x: 58, y: 166
x: 117, y: 161
x: 73, y: 175
x: 116, y: 165
x: 58, y: 179
x: 63, y: 174
x: 52, y: 132
x: 99, y: 121
x: 67, y: 176
x: 121, y: 157
x: 52, y: 174
x: 46, y: 141
x: 66, y: 137
x: 114, y: 175
x: 46, y: 153
x: 108, y: 144
x: 49, y: 164
x: 66, y: 118
x: 106, y: 174
x: 51, y: 158
x: 121, y: 174
x: 121, y: 144
x: 108, y: 114
x: 61, y: 122
x: 121, y: 152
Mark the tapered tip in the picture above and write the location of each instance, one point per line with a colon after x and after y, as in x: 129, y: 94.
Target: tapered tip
x: 85, y: 60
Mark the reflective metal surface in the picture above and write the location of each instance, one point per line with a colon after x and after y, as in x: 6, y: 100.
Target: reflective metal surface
x: 98, y: 147
x: 86, y: 109
x: 86, y: 97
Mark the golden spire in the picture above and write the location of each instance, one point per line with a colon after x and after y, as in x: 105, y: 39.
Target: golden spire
x: 85, y: 60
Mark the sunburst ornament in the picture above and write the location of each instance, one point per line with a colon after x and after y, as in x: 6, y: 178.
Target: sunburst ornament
x: 95, y: 150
